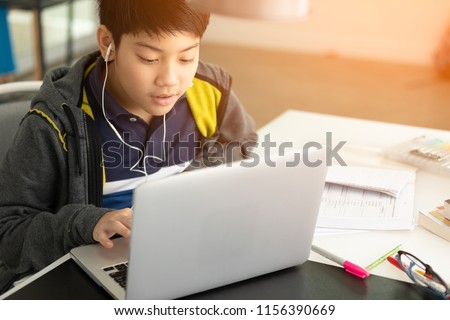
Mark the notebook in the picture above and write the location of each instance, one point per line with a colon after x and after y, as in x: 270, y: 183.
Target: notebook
x: 211, y: 227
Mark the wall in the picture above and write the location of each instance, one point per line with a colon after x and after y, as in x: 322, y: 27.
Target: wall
x: 406, y: 31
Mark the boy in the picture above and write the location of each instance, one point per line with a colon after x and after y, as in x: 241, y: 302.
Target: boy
x: 142, y: 106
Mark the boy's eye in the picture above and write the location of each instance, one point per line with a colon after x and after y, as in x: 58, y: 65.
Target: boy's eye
x: 187, y: 60
x: 148, y: 61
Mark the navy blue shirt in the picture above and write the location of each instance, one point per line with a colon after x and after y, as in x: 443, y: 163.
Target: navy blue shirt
x: 124, y: 165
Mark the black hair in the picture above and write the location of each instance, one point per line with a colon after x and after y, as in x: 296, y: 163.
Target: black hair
x: 155, y: 17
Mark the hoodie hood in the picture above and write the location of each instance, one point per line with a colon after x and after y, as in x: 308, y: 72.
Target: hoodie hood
x: 63, y: 86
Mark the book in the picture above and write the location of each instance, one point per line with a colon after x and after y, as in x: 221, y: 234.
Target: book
x: 435, y: 221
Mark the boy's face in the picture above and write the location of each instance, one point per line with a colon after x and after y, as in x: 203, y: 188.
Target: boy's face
x: 149, y: 74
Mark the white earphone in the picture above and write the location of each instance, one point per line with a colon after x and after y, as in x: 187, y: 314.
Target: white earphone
x: 142, y: 156
x: 108, y: 52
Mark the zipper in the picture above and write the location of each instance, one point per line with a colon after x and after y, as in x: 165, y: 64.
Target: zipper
x: 94, y: 164
x: 76, y: 133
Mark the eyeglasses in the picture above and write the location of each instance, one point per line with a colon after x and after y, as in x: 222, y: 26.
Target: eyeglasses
x: 423, y: 275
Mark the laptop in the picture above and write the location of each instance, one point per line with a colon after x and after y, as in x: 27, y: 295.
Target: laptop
x: 211, y: 227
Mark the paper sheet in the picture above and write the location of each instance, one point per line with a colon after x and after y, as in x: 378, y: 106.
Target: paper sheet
x: 387, y: 181
x: 347, y: 207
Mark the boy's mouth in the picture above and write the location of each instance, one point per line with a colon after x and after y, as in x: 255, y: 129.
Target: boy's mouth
x: 164, y: 99
x: 164, y: 95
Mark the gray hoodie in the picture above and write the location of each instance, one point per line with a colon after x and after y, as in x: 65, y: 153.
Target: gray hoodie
x: 51, y: 179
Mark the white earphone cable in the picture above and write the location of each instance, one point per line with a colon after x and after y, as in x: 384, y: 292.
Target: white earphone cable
x: 141, y: 152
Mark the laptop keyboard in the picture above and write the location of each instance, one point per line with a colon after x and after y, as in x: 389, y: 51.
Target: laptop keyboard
x: 119, y: 273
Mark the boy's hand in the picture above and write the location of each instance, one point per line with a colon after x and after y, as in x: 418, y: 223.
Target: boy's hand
x: 112, y: 223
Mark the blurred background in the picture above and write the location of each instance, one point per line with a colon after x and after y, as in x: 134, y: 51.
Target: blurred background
x: 385, y: 60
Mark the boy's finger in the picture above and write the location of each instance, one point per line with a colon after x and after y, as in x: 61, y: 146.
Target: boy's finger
x: 123, y: 230
x: 105, y: 241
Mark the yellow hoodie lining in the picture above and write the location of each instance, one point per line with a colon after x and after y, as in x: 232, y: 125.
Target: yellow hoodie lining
x: 204, y: 99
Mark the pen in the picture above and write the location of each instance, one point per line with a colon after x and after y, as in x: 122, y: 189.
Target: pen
x: 395, y: 263
x: 348, y: 266
x: 382, y: 258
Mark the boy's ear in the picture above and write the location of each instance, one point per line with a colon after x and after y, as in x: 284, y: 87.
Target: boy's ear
x: 105, y: 41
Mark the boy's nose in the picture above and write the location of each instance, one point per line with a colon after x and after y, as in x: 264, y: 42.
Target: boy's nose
x: 167, y: 75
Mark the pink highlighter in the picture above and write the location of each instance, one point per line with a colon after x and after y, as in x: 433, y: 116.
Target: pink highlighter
x: 348, y: 266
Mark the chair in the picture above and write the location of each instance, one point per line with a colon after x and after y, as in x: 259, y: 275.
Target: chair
x: 14, y: 104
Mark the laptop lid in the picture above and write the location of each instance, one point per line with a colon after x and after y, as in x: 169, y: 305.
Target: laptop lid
x: 215, y: 226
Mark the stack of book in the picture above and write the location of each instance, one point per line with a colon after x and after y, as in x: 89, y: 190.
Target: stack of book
x: 435, y: 221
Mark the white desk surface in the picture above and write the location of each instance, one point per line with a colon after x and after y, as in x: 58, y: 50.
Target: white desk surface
x: 365, y: 139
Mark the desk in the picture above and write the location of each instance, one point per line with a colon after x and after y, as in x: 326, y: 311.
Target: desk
x: 37, y: 6
x: 365, y: 140
x: 317, y: 279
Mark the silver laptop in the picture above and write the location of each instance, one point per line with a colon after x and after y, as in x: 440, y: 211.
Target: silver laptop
x: 211, y: 227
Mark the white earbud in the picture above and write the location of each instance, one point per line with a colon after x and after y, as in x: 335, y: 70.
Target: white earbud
x: 108, y: 52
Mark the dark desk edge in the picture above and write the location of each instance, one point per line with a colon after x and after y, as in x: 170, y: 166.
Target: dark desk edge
x: 311, y: 281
